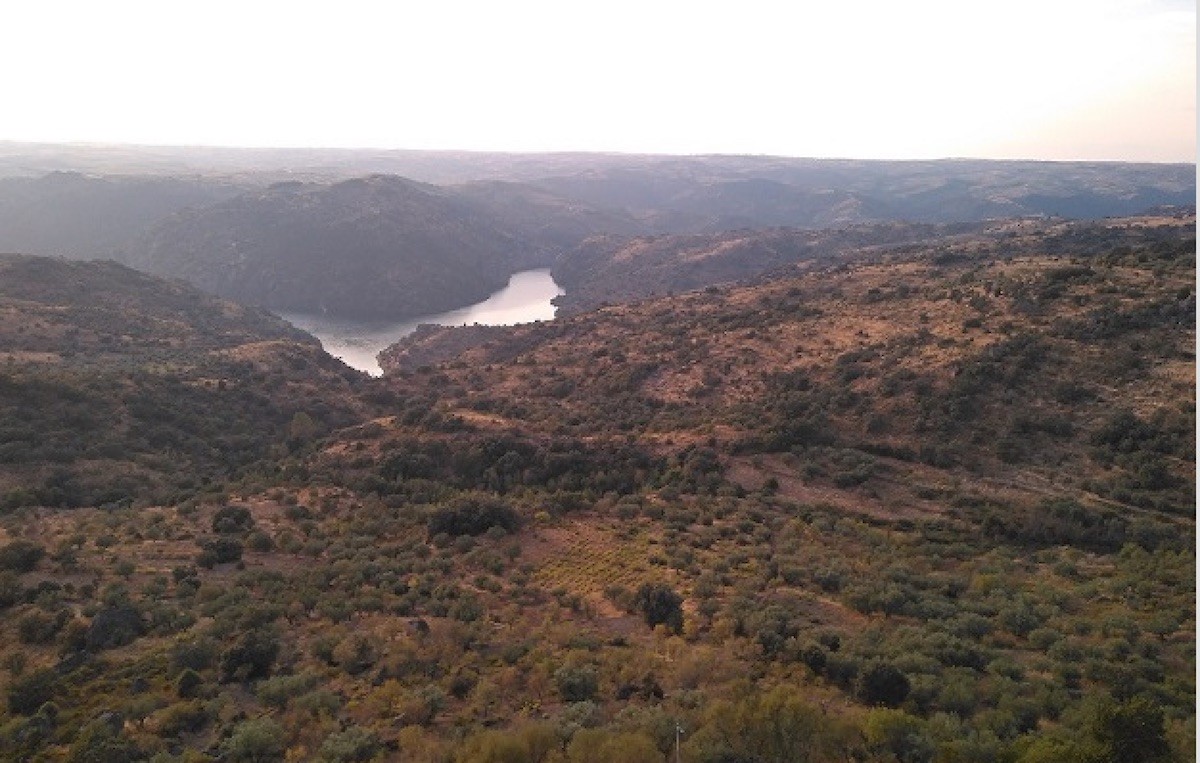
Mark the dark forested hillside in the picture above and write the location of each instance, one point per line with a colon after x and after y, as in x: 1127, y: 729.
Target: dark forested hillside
x: 370, y: 248
x: 551, y: 223
x: 119, y: 388
x: 92, y: 303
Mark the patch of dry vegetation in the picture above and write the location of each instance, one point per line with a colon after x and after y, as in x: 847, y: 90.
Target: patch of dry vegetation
x: 930, y: 503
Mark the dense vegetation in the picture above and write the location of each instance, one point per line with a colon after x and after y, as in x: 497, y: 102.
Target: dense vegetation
x: 928, y: 503
x: 117, y: 388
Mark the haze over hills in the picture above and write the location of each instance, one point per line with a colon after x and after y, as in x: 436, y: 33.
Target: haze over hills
x: 88, y: 217
x: 369, y: 248
x: 242, y: 224
x: 715, y: 193
x: 1009, y: 178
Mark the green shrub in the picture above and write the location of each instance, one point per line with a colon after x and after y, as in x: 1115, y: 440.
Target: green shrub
x: 472, y: 515
x: 113, y: 627
x: 660, y: 605
x: 278, y: 691
x: 38, y: 627
x: 21, y: 555
x: 883, y: 684
x: 102, y: 741
x: 184, y: 717
x: 188, y: 683
x: 258, y: 740
x: 214, y: 551
x: 576, y: 684
x: 251, y: 657
x: 29, y: 692
x: 232, y: 519
x: 353, y: 745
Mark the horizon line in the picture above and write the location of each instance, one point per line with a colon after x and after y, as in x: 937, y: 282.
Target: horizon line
x: 564, y: 152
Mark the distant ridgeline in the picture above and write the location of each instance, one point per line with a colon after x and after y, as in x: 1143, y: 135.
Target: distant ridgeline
x: 339, y: 238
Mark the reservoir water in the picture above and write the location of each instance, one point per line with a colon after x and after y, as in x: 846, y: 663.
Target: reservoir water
x: 525, y: 299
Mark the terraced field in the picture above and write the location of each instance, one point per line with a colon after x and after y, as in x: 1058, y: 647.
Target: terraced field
x: 587, y: 558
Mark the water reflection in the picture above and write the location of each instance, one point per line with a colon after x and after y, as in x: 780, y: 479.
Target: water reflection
x: 525, y: 299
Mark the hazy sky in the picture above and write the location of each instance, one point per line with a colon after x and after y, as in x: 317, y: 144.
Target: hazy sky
x: 1046, y: 79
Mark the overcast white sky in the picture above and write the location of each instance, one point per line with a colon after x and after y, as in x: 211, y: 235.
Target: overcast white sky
x: 1044, y: 79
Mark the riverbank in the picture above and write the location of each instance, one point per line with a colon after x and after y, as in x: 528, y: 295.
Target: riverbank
x: 527, y: 298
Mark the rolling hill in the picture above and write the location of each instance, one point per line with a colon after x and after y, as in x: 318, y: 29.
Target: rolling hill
x: 120, y: 388
x: 326, y: 232
x: 68, y: 214
x: 371, y: 248
x: 612, y: 269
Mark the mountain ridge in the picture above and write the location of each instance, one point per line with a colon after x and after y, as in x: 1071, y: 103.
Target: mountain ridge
x: 247, y: 224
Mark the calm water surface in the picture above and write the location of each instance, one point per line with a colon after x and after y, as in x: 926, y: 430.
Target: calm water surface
x: 525, y: 299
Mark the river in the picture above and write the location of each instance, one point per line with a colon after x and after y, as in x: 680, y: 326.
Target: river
x: 525, y: 299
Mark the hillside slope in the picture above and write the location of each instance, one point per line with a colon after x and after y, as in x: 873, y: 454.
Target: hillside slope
x: 928, y: 502
x: 370, y: 248
x: 614, y: 269
x: 976, y: 351
x: 123, y: 388
x: 83, y: 217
